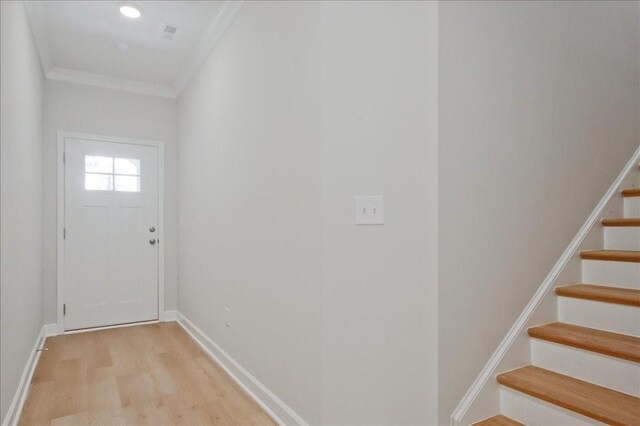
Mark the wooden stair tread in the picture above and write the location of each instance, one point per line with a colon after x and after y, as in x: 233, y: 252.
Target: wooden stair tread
x: 632, y: 192
x: 601, y: 293
x: 612, y: 255
x: 498, y: 420
x: 619, y: 221
x: 603, y: 342
x: 596, y: 402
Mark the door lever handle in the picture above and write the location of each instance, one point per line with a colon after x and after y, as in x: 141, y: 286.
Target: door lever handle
x: 152, y: 241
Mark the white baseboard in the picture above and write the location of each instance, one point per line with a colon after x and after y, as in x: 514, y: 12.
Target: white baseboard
x: 55, y: 329
x: 274, y: 406
x: 15, y: 409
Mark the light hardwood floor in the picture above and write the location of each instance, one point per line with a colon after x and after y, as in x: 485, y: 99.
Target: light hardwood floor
x: 152, y: 374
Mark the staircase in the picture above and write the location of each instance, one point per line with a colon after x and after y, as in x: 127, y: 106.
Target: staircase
x: 585, y: 368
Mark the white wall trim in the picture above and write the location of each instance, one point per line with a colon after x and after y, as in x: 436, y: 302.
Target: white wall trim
x: 106, y: 82
x: 61, y: 220
x: 15, y: 409
x: 274, y: 406
x: 168, y: 316
x: 210, y: 38
x: 59, y: 234
x: 488, y: 372
x: 109, y: 327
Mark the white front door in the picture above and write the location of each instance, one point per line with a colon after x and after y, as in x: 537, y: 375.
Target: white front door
x: 110, y: 233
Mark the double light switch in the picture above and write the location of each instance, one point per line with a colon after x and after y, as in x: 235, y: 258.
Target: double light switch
x: 369, y: 210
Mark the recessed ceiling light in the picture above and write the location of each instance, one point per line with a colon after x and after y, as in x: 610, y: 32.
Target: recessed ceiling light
x: 131, y: 11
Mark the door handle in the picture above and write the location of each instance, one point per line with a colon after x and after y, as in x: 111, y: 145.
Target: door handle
x: 152, y: 241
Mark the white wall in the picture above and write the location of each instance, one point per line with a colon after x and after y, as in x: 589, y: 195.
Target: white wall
x: 539, y: 108
x: 76, y: 108
x: 250, y: 197
x: 379, y: 283
x: 21, y: 88
x: 293, y: 114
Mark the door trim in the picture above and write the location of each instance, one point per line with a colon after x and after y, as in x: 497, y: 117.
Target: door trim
x: 62, y: 136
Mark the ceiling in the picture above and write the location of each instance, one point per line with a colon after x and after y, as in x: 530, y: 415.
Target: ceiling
x: 90, y: 42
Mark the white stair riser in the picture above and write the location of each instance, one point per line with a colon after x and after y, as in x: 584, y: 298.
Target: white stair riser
x: 616, y: 274
x: 631, y: 206
x: 532, y: 411
x: 622, y: 237
x: 603, y: 370
x: 612, y: 317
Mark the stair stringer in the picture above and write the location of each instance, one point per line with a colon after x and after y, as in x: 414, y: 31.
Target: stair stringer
x: 482, y: 399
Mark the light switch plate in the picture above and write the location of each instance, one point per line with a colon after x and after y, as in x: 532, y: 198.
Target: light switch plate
x: 369, y: 210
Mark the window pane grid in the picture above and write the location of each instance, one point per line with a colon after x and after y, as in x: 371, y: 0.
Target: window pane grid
x: 112, y: 174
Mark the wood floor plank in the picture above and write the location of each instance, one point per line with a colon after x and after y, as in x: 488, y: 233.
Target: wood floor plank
x: 152, y: 374
x: 601, y: 293
x: 603, y: 342
x: 599, y: 403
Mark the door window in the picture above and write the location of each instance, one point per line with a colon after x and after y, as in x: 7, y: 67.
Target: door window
x: 111, y: 174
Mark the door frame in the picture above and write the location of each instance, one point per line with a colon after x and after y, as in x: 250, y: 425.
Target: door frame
x: 62, y: 136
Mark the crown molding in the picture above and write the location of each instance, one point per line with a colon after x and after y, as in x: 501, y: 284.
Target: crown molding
x: 210, y: 38
x: 106, y: 82
x: 37, y: 20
